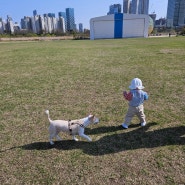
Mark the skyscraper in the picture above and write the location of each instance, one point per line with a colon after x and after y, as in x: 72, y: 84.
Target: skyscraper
x: 115, y: 8
x: 179, y: 13
x: 51, y: 14
x: 34, y: 12
x: 26, y: 23
x: 126, y: 6
x: 80, y: 27
x: 170, y: 12
x: 176, y: 13
x: 63, y: 14
x: 140, y: 7
x: 135, y: 6
x: 2, y: 27
x: 70, y: 19
x: 10, y: 25
x: 143, y: 7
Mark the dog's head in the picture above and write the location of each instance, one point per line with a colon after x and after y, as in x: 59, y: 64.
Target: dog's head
x: 93, y: 119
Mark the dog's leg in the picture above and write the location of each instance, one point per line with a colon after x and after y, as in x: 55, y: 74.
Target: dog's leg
x: 50, y: 139
x: 81, y: 134
x: 52, y: 134
x: 86, y: 137
x: 58, y: 138
x: 74, y: 138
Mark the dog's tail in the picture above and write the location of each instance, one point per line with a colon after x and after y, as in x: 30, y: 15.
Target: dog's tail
x: 47, y: 112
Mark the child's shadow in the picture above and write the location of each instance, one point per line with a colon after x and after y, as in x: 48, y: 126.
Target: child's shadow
x: 116, y: 142
x: 137, y: 139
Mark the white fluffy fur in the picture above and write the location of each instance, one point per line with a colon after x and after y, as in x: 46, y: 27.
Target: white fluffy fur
x: 57, y: 126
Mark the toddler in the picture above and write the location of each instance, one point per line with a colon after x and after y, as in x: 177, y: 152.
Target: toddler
x: 136, y: 98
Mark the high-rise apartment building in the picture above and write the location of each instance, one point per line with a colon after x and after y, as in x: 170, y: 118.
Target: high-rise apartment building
x: 126, y: 6
x: 61, y: 25
x: 80, y: 27
x: 47, y: 24
x: 176, y: 13
x: 26, y: 23
x: 170, y: 9
x: 42, y: 24
x: 143, y: 7
x: 135, y: 6
x: 115, y: 8
x: 2, y: 26
x: 10, y: 25
x: 51, y: 23
x: 51, y: 15
x: 140, y: 7
x: 63, y: 14
x: 35, y: 24
x: 179, y: 13
x: 34, y: 12
x: 70, y: 19
x: 170, y: 12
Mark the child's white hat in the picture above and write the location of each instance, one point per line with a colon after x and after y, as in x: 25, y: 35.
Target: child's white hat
x: 136, y: 83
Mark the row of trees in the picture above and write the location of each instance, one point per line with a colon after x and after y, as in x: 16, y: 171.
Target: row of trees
x: 26, y: 33
x: 174, y: 31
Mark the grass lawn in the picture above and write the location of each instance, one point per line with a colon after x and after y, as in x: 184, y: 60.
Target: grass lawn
x: 75, y: 78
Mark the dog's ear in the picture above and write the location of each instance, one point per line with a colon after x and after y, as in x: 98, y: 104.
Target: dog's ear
x: 91, y: 116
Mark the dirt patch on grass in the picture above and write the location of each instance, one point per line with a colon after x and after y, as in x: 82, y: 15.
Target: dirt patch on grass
x: 173, y: 51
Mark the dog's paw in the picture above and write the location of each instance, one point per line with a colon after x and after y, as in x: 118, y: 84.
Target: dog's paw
x: 51, y: 143
x: 76, y: 139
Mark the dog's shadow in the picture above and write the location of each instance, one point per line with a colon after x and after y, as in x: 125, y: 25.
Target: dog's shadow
x: 116, y: 142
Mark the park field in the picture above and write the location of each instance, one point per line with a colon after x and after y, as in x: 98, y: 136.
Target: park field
x: 72, y: 78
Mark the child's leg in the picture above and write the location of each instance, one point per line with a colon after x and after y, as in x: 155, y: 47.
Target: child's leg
x: 130, y: 114
x: 140, y: 114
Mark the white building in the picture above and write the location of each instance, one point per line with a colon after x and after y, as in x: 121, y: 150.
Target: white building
x: 48, y: 24
x: 61, y: 24
x: 2, y: 26
x: 34, y: 29
x: 10, y: 25
x: 119, y: 26
x: 42, y: 24
x: 54, y: 24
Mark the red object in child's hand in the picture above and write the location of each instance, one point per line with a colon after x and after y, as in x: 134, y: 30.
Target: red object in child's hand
x: 128, y: 96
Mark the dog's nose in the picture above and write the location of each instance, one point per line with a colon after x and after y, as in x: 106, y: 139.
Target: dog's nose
x: 96, y: 121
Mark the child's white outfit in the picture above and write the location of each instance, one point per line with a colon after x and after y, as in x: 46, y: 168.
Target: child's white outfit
x: 136, y: 98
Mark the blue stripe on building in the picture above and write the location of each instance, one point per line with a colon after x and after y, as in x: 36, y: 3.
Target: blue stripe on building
x: 118, y: 25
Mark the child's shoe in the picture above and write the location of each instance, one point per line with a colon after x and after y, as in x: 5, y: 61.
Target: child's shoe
x: 143, y: 124
x: 124, y: 125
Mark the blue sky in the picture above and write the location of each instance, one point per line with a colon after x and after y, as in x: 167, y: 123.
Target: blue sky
x: 84, y: 10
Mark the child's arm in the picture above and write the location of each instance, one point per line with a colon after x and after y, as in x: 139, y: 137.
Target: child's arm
x: 146, y: 96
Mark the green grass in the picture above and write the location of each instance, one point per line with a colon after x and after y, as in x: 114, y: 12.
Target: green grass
x: 75, y: 78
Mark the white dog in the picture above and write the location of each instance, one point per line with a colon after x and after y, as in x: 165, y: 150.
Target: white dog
x: 73, y: 127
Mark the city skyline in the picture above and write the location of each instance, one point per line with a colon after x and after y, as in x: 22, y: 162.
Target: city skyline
x: 83, y: 10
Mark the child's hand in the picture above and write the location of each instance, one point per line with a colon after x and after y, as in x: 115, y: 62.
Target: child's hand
x: 127, y: 96
x: 124, y: 93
